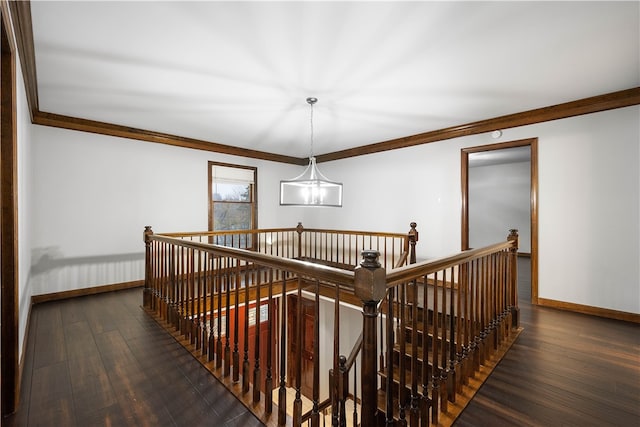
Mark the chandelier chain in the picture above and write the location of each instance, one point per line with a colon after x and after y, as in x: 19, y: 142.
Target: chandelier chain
x: 311, y: 101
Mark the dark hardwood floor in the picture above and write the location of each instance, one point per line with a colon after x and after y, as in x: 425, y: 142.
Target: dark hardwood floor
x: 101, y: 361
x: 565, y: 369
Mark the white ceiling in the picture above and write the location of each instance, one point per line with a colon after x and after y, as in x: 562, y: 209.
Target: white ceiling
x: 238, y: 73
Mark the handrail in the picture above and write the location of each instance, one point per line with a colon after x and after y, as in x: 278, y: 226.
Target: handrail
x: 274, y: 230
x: 402, y: 260
x: 408, y: 272
x: 354, y: 353
x: 227, y: 232
x: 321, y: 407
x: 337, y: 248
x: 303, y: 268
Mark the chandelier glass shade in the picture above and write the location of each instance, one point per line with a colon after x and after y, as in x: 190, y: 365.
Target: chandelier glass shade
x: 311, y: 188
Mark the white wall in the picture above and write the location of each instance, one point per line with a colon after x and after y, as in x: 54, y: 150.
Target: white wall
x: 93, y: 195
x: 499, y: 200
x: 589, y: 202
x: 25, y: 209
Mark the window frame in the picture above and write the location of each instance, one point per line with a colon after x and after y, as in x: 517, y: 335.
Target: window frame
x: 253, y: 193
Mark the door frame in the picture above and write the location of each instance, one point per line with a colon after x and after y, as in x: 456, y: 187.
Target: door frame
x: 464, y: 168
x: 9, y: 335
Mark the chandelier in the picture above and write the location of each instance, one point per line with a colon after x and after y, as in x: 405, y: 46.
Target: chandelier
x: 311, y: 188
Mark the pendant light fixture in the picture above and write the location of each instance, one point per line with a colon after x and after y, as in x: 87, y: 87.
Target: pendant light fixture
x: 311, y: 188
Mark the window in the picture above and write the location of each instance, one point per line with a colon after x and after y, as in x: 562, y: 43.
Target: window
x: 232, y: 198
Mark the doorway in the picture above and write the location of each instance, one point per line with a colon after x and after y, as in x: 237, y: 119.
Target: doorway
x: 476, y: 207
x: 308, y: 310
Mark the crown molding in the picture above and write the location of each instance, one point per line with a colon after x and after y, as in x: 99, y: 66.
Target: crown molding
x: 21, y: 13
x: 620, y: 99
x: 92, y: 126
x: 22, y: 27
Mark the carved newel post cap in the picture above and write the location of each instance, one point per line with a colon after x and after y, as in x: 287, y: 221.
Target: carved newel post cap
x: 370, y: 259
x: 147, y: 232
x: 513, y: 237
x: 413, y: 233
x: 299, y: 228
x: 370, y: 278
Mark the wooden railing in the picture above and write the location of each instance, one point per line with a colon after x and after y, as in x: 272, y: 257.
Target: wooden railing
x: 337, y: 248
x: 443, y: 319
x: 229, y: 303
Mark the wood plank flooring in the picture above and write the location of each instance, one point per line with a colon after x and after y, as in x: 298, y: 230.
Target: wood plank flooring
x: 101, y: 361
x: 565, y: 369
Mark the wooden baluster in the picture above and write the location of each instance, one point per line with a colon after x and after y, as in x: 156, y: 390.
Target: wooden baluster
x: 268, y: 382
x: 474, y: 304
x: 335, y: 410
x: 513, y: 282
x: 180, y: 285
x: 282, y: 392
x: 182, y: 305
x: 160, y: 283
x: 187, y: 295
x: 466, y: 327
x: 203, y: 302
x: 414, y: 415
x: 507, y: 292
x: 451, y: 345
x: 443, y: 350
x: 236, y: 326
x: 382, y: 352
x: 482, y: 325
x: 245, y: 360
x: 354, y: 419
x: 171, y: 311
x: 221, y: 289
x: 491, y: 303
x: 297, y: 402
x: 198, y: 299
x: 402, y: 358
x: 486, y: 299
x: 168, y: 284
x: 460, y: 318
x: 214, y: 285
x: 177, y: 303
x: 389, y: 373
x: 426, y: 369
x: 160, y: 278
x: 203, y: 322
x: 315, y: 414
x: 501, y: 295
x: 194, y: 297
x: 343, y: 390
x: 435, y: 372
x: 227, y: 344
x: 257, y: 373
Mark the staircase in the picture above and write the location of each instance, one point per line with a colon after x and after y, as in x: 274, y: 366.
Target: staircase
x: 412, y: 386
x: 431, y: 331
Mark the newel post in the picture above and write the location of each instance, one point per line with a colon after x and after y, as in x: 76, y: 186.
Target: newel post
x: 513, y: 259
x: 413, y: 239
x: 371, y: 288
x: 299, y: 230
x: 146, y: 295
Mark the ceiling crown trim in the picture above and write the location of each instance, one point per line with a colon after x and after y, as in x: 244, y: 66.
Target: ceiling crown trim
x: 21, y: 14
